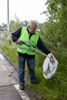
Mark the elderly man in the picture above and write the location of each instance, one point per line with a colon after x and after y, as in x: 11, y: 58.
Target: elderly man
x: 29, y: 35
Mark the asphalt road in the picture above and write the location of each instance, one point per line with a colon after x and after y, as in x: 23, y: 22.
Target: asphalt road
x: 9, y: 88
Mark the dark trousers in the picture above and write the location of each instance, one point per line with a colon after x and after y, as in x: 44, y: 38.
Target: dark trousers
x: 21, y: 68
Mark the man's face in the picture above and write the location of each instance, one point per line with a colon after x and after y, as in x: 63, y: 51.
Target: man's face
x: 32, y: 28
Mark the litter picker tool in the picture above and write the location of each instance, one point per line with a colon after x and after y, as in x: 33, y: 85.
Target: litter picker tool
x: 49, y: 68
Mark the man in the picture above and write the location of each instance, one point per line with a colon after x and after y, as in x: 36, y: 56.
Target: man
x: 30, y: 36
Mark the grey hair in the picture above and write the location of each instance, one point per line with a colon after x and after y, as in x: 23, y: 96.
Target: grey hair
x: 33, y: 22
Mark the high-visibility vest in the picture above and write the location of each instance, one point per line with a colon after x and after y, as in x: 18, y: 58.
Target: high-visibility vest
x: 25, y: 38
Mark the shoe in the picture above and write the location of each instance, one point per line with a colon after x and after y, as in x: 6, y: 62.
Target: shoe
x: 34, y: 81
x: 21, y: 86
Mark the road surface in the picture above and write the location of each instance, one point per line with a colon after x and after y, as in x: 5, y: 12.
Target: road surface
x: 9, y: 88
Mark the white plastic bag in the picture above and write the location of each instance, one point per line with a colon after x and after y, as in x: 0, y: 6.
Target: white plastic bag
x: 49, y: 68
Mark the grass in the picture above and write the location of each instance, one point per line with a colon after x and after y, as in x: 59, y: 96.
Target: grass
x: 10, y: 52
x: 56, y: 87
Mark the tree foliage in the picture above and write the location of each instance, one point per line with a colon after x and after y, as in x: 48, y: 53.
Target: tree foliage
x: 14, y: 25
x: 56, y: 27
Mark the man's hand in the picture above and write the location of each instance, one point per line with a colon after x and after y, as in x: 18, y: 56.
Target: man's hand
x: 19, y: 42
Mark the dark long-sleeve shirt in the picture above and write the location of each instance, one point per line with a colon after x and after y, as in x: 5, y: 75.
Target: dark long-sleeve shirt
x: 40, y: 44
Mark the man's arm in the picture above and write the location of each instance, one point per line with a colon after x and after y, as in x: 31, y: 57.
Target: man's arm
x: 16, y: 35
x: 42, y: 47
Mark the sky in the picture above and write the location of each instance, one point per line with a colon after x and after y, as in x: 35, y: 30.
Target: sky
x: 23, y: 9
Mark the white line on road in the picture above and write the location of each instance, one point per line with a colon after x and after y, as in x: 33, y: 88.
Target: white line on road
x: 22, y: 93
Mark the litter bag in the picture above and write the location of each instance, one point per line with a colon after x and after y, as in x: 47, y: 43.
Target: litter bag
x: 49, y: 68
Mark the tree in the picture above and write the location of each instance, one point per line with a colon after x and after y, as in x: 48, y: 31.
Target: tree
x: 14, y: 25
x: 56, y: 27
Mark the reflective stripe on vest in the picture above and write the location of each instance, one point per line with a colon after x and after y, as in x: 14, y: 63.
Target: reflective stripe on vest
x: 29, y: 50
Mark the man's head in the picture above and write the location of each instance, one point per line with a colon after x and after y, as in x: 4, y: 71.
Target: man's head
x: 32, y: 26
